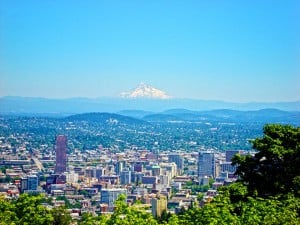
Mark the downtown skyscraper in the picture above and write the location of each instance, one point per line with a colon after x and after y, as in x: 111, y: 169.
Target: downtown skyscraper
x: 206, y: 164
x: 61, y: 154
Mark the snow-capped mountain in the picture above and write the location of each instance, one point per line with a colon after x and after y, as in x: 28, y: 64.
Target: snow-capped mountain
x: 145, y: 91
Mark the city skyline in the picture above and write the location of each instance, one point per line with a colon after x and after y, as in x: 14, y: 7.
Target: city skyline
x: 232, y: 51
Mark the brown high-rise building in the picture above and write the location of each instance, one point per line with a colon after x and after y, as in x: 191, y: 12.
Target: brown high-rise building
x: 61, y: 154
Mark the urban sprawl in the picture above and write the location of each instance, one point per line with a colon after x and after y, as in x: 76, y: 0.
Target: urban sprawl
x: 92, y: 181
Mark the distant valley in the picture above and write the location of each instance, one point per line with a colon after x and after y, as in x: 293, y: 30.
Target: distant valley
x: 122, y: 123
x: 176, y: 129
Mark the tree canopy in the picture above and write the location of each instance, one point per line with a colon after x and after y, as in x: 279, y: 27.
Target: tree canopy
x: 275, y: 168
x: 28, y: 209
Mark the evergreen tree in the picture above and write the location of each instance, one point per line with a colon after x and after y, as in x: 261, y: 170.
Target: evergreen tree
x: 274, y: 169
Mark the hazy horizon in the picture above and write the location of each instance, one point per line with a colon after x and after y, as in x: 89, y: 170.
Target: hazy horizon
x: 229, y: 51
x: 146, y: 99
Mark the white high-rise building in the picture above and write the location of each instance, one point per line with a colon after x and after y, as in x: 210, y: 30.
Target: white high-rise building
x: 71, y: 177
x: 178, y: 159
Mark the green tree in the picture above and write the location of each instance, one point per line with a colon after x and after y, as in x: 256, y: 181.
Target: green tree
x: 89, y: 219
x: 7, y: 212
x: 124, y: 215
x: 270, y: 211
x: 274, y: 169
x: 173, y: 220
x: 29, y: 210
x: 61, y: 216
x: 200, y: 197
x: 164, y: 218
x: 220, y: 211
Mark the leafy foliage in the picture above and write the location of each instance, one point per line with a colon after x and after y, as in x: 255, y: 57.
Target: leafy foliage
x: 130, y: 215
x: 28, y: 209
x: 275, y: 167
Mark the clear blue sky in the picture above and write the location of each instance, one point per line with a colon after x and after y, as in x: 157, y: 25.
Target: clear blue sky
x: 227, y: 50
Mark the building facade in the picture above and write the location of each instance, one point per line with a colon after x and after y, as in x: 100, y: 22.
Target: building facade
x: 125, y: 177
x: 61, y: 154
x: 206, y: 164
x: 29, y: 183
x: 120, y: 166
x: 109, y: 196
x: 231, y: 153
x: 178, y: 159
x: 159, y: 204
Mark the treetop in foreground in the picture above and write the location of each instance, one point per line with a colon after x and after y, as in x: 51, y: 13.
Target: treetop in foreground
x: 275, y: 168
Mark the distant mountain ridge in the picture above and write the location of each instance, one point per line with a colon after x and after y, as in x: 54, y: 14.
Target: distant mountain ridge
x: 106, y: 118
x: 135, y: 113
x: 181, y: 116
x: 185, y: 116
x: 263, y: 115
x: 19, y: 105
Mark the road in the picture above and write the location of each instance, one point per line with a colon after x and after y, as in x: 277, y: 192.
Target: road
x: 37, y: 163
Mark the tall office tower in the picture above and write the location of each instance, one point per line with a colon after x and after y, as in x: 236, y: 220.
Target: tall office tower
x: 206, y: 164
x: 61, y: 154
x: 156, y: 170
x: 33, y: 182
x: 24, y: 184
x: 100, y: 171
x: 125, y: 177
x: 71, y: 177
x: 138, y: 167
x: 158, y: 205
x: 29, y: 183
x: 178, y: 160
x: 120, y: 166
x: 90, y: 172
x: 231, y: 153
x: 109, y: 196
x: 169, y: 169
x: 136, y: 177
x: 164, y: 180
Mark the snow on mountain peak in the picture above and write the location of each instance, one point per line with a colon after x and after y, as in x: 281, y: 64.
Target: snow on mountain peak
x: 145, y: 91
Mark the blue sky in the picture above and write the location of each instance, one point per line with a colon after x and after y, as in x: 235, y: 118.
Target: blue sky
x: 237, y: 51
